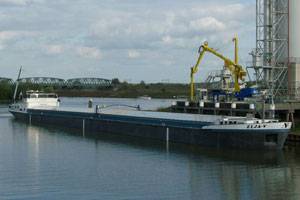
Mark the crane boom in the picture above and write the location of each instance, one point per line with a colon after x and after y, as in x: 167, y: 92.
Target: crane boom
x: 194, y: 70
x: 236, y: 70
x: 236, y: 49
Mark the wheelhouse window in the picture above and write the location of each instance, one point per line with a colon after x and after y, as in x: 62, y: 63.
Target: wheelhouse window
x: 41, y: 95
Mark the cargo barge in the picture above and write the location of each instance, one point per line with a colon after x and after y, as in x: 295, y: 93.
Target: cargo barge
x: 204, y: 130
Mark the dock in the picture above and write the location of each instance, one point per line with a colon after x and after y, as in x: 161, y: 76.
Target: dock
x: 285, y: 111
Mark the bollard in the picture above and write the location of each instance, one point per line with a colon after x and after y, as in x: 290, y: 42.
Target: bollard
x: 201, y: 107
x: 217, y: 106
x: 272, y: 111
x: 187, y: 103
x: 90, y: 103
x: 233, y: 107
x: 201, y: 104
x: 97, y: 109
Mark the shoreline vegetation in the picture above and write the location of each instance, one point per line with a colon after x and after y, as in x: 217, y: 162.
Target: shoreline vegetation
x: 126, y: 90
x: 116, y: 90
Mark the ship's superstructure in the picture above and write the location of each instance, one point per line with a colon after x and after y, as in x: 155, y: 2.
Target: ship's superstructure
x: 36, y: 99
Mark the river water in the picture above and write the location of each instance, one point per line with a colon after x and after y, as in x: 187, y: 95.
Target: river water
x: 52, y: 163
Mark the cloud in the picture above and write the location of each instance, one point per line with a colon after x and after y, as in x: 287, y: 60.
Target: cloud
x: 207, y: 24
x: 150, y: 30
x: 9, y: 37
x: 18, y: 2
x: 225, y: 11
x: 133, y: 54
x: 2, y: 46
x: 54, y: 49
x: 13, y: 2
x: 167, y: 39
x: 82, y: 51
x: 164, y: 35
x: 88, y: 52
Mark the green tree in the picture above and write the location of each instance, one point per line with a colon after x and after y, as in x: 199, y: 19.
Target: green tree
x: 142, y: 83
x: 49, y: 89
x: 6, y: 91
x: 115, y: 81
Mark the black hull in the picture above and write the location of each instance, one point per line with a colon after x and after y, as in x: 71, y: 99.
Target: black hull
x: 90, y: 123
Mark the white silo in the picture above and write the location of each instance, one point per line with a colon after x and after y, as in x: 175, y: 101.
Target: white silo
x: 294, y: 46
x: 294, y: 30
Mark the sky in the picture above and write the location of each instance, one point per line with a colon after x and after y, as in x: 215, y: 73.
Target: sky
x: 133, y: 40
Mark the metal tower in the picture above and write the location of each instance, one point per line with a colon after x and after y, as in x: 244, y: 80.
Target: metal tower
x: 270, y: 58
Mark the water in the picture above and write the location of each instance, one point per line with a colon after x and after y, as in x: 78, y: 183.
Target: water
x: 51, y: 163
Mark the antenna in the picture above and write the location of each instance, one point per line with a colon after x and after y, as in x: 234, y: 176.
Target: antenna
x: 17, y: 84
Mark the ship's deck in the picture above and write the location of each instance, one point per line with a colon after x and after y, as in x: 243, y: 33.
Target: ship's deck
x: 142, y: 114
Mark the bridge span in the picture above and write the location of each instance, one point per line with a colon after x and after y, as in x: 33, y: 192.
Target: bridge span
x: 84, y: 82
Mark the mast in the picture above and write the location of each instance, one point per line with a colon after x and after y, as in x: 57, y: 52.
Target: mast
x: 17, y: 85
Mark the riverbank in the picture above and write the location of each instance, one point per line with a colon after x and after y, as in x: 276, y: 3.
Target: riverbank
x: 158, y: 90
x: 119, y: 90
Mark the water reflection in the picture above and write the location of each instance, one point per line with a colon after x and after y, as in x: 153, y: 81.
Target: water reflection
x: 33, y: 140
x: 205, y: 173
x: 237, y: 178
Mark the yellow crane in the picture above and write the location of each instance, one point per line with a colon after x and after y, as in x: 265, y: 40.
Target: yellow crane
x: 235, y: 69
